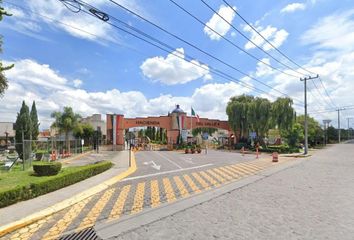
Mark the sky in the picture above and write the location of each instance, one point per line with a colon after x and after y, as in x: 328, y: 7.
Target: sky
x: 66, y: 57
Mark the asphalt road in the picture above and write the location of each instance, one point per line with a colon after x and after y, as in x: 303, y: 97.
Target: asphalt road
x: 311, y: 200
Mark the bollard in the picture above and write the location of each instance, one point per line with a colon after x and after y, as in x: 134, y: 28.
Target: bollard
x: 257, y: 152
x: 275, y: 156
x: 243, y: 151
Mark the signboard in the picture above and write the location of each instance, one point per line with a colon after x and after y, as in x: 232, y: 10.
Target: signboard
x: 253, y: 135
x: 205, y: 136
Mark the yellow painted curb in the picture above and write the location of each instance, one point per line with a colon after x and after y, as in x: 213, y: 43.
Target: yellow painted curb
x: 68, y: 202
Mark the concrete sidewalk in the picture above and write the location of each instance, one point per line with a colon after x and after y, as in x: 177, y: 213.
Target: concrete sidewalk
x: 22, y: 210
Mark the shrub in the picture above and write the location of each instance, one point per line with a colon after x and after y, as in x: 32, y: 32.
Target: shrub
x: 52, y: 183
x: 47, y: 169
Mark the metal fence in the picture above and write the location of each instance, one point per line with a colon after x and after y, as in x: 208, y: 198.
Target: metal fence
x: 43, y: 150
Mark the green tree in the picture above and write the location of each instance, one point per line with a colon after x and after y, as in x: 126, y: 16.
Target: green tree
x: 238, y: 114
x: 332, y: 134
x: 283, y: 115
x: 314, y: 130
x: 34, y: 121
x: 3, y: 80
x: 84, y: 131
x: 200, y: 130
x: 259, y: 115
x: 23, y: 125
x: 295, y: 135
x: 65, y: 122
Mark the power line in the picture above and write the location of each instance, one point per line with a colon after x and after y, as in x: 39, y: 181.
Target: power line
x: 277, y: 49
x: 226, y: 39
x: 171, y: 51
x: 213, y: 70
x: 265, y: 39
x: 243, y: 35
x: 195, y: 47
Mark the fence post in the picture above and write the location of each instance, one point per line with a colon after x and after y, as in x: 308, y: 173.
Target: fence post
x: 23, y: 150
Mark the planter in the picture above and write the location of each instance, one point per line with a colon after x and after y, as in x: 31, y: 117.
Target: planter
x: 199, y: 150
x: 186, y: 150
x: 192, y: 150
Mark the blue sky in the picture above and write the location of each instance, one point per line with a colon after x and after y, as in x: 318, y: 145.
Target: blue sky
x: 100, y: 69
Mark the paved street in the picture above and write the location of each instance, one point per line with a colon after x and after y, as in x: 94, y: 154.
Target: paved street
x: 311, y: 200
x: 178, y: 176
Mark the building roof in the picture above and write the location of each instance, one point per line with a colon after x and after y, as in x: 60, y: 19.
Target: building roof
x: 177, y: 109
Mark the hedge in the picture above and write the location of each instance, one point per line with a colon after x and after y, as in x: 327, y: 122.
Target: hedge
x: 63, y: 179
x: 47, y: 168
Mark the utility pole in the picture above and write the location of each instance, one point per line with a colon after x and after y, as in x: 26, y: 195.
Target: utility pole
x: 305, y: 88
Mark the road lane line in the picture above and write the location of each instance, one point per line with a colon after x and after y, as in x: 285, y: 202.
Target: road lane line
x: 170, y: 194
x: 160, y: 154
x: 138, y: 198
x: 63, y: 223
x: 92, y: 216
x: 155, y: 195
x: 248, y: 168
x: 191, y: 183
x: 180, y: 185
x: 199, y: 179
x: 161, y: 173
x: 119, y: 204
x: 255, y: 167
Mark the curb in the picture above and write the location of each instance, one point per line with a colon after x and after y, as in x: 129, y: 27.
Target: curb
x: 68, y: 202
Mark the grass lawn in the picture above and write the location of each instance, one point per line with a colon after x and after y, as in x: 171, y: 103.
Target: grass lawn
x: 16, y: 177
x: 18, y: 185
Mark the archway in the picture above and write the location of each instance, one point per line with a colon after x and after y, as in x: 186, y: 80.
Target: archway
x: 175, y: 123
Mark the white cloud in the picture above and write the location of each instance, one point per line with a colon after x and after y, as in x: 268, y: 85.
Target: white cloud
x: 218, y: 24
x: 272, y: 34
x: 94, y: 29
x: 30, y: 80
x: 174, y: 70
x: 293, y: 7
x: 334, y: 32
x: 262, y: 69
x: 333, y: 41
x: 77, y: 83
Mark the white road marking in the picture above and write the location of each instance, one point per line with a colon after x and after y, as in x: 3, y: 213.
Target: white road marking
x: 187, y: 160
x: 169, y: 160
x: 171, y: 171
x: 154, y: 165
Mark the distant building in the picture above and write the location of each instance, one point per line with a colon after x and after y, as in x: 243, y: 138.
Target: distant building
x: 7, y: 132
x: 97, y: 123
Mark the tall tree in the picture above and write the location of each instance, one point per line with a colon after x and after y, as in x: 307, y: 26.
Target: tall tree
x: 84, y: 131
x: 65, y: 122
x: 34, y: 121
x: 237, y: 111
x: 3, y: 80
x: 259, y: 115
x: 283, y: 114
x: 23, y: 125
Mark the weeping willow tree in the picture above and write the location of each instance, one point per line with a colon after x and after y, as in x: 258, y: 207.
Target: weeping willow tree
x: 3, y: 80
x: 259, y: 112
x: 247, y: 113
x: 283, y: 115
x: 238, y: 112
